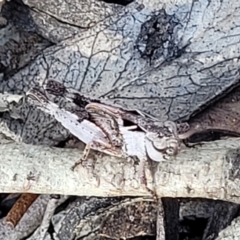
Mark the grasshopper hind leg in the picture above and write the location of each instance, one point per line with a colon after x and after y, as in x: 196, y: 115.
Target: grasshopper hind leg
x: 83, y: 159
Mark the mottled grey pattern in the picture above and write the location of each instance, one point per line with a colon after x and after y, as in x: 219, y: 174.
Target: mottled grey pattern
x: 103, y: 63
x: 184, y: 62
x: 59, y: 20
x: 156, y: 38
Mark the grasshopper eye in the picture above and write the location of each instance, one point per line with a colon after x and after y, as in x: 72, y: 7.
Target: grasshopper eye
x: 172, y: 147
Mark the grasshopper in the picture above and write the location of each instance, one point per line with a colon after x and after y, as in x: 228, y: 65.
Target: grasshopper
x: 101, y: 127
x: 122, y: 142
x: 165, y: 137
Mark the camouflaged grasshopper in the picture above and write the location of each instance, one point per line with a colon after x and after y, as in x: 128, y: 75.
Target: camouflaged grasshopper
x: 121, y: 144
x: 101, y: 127
x: 162, y: 138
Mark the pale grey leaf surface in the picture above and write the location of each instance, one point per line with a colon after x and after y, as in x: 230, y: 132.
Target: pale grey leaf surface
x: 112, y: 61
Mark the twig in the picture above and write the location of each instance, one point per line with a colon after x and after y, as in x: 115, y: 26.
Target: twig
x: 19, y: 208
x: 28, y: 223
x: 207, y: 171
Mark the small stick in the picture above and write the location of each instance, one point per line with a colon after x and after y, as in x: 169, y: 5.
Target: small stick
x: 19, y: 208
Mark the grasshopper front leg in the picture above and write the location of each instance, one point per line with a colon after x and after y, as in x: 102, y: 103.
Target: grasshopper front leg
x: 143, y: 178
